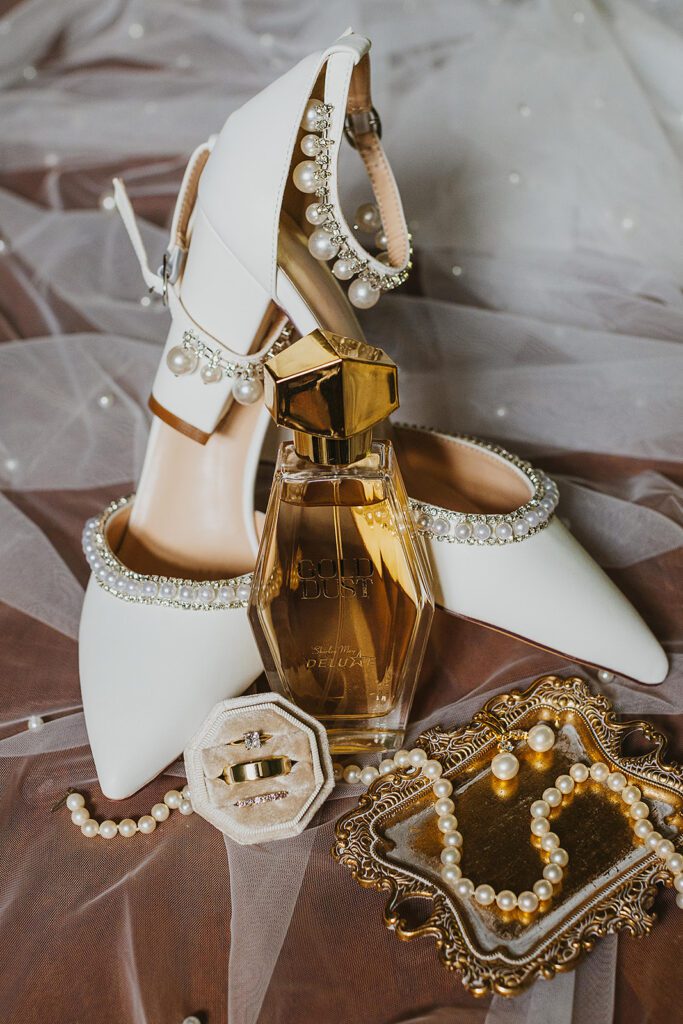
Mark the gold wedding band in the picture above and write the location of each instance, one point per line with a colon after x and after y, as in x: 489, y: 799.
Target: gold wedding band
x: 252, y: 771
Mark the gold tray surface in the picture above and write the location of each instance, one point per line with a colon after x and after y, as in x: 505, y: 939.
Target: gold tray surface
x: 390, y: 840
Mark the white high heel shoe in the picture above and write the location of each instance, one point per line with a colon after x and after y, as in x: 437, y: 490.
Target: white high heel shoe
x: 162, y: 636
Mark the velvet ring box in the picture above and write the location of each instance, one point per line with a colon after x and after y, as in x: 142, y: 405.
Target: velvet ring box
x: 245, y: 731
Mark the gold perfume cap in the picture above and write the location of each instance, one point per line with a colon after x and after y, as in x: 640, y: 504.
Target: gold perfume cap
x: 330, y: 391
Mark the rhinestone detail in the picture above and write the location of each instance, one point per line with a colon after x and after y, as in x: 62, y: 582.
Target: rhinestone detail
x: 245, y: 369
x: 164, y: 591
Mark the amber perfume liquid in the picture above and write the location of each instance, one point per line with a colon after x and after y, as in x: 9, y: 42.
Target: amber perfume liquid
x: 341, y: 602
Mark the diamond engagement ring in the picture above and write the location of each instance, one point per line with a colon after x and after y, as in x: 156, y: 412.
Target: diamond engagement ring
x: 252, y: 740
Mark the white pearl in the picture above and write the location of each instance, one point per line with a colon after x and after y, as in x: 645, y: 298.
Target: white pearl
x: 441, y: 527
x: 211, y: 374
x: 678, y: 884
x: 604, y: 676
x: 337, y: 771
x: 185, y: 807
x: 206, y: 594
x: 381, y: 239
x: 186, y: 793
x: 543, y: 889
x: 192, y: 1020
x: 74, y: 801
x: 482, y: 531
x: 442, y: 788
x: 484, y: 895
x: 226, y: 595
x: 352, y: 774
x: 418, y: 756
x: 553, y: 873
x: 160, y: 812
x: 643, y: 827
x: 579, y: 772
x: 246, y: 391
x: 664, y: 848
x: 679, y: 900
x: 80, y: 816
x: 639, y: 809
x: 565, y: 784
x: 503, y: 531
x: 552, y: 796
x: 616, y: 782
x: 425, y: 521
x: 309, y: 122
x: 167, y: 591
x: 520, y: 527
x: 150, y: 588
x: 540, y: 826
x: 505, y: 766
x: 532, y: 518
x: 90, y: 828
x: 343, y: 270
x: 527, y: 902
x: 599, y: 771
x: 559, y: 856
x: 305, y: 176
x: 451, y: 873
x: 541, y: 738
x: 450, y: 855
x: 506, y: 900
x: 402, y: 758
x: 146, y: 824
x: 172, y: 799
x: 321, y: 246
x: 367, y: 218
x: 447, y: 823
x: 108, y: 829
x: 444, y: 806
x: 127, y: 828
x: 550, y: 841
x: 387, y: 766
x: 432, y: 769
x: 539, y: 809
x: 452, y: 839
x: 652, y: 840
x: 362, y: 295
x: 463, y: 531
x: 186, y: 594
x: 315, y: 214
x: 674, y: 863
x: 34, y: 723
x: 105, y: 401
x: 181, y: 361
x: 310, y: 145
x: 368, y: 775
x: 548, y: 504
x: 464, y: 887
x: 630, y: 794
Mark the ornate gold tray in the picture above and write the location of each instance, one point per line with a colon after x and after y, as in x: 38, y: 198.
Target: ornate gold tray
x: 390, y: 840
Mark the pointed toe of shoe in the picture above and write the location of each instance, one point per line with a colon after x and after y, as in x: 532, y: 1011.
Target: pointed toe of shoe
x: 149, y: 676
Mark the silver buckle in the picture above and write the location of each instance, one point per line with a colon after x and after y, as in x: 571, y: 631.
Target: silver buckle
x: 171, y: 267
x: 360, y: 124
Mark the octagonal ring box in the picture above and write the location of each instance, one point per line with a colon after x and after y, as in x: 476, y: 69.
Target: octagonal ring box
x: 262, y: 809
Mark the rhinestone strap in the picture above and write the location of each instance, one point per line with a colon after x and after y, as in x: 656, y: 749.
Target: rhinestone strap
x: 166, y: 591
x: 441, y: 524
x: 243, y: 368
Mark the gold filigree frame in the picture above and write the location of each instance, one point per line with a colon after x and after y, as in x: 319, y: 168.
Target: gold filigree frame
x: 389, y: 840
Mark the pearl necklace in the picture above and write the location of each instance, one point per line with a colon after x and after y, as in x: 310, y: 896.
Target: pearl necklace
x: 127, y: 827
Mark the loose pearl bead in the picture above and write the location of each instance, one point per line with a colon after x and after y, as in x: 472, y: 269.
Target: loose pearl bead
x: 343, y: 270
x: 442, y: 788
x: 554, y: 873
x: 367, y: 218
x: 321, y: 246
x: 452, y: 839
x: 90, y: 828
x: 678, y: 883
x: 80, y: 816
x: 505, y: 766
x: 652, y: 840
x: 160, y: 812
x: 642, y: 828
x: 108, y: 829
x: 552, y: 796
x: 559, y: 856
x: 246, y: 392
x: 352, y: 774
x: 484, y: 895
x: 417, y: 756
x: 564, y: 783
x: 679, y: 900
x: 172, y: 799
x: 579, y: 772
x: 664, y: 848
x: 451, y: 855
x: 630, y: 794
x: 464, y: 887
x: 432, y: 769
x: 211, y: 374
x: 185, y: 807
x: 337, y: 773
x: 506, y: 900
x: 639, y: 810
x: 444, y: 806
x: 305, y: 176
x: 527, y: 902
x: 447, y: 823
x: 541, y: 738
x: 387, y: 766
x: 540, y: 826
x: 127, y: 828
x: 310, y: 145
x: 181, y: 361
x: 368, y: 775
x: 451, y: 873
x: 599, y: 771
x: 186, y: 793
x: 674, y: 863
x: 34, y: 723
x: 362, y: 295
x: 543, y: 889
x: 540, y: 809
x: 74, y: 801
x: 309, y: 121
x: 402, y: 758
x: 550, y: 841
x: 616, y: 782
x: 604, y: 676
x: 146, y: 824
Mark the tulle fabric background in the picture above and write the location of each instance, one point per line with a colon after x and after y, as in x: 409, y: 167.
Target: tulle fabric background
x: 539, y: 147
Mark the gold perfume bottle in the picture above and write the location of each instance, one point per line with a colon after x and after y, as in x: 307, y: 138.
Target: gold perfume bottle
x: 341, y: 602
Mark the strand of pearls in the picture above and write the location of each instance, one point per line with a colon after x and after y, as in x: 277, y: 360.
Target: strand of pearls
x: 80, y: 815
